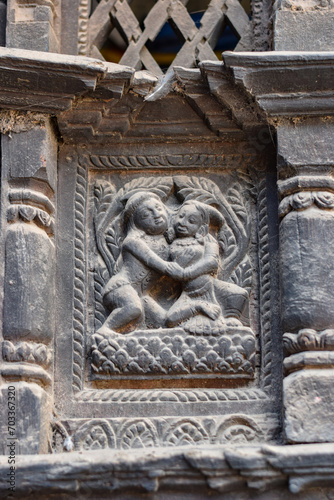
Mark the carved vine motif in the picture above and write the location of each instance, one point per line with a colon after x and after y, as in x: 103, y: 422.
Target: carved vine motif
x: 148, y: 433
x: 308, y: 340
x: 134, y: 252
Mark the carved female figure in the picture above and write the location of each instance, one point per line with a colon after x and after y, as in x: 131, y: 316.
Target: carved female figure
x: 197, y: 252
x: 142, y: 257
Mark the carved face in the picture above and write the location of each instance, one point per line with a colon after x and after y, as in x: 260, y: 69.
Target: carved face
x: 188, y: 221
x: 151, y: 217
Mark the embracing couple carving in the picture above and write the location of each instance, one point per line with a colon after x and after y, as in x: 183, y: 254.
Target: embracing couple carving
x: 190, y: 257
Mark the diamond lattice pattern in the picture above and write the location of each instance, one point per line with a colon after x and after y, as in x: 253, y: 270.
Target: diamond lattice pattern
x: 198, y: 42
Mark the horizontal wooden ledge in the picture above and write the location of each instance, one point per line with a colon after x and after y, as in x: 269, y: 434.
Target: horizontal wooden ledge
x: 198, y: 469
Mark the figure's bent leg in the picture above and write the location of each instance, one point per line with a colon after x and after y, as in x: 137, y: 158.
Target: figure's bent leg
x: 127, y: 309
x: 183, y: 310
x: 155, y: 315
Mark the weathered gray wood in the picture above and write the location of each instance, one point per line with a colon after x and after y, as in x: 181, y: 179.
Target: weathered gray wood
x: 250, y: 472
x: 46, y: 82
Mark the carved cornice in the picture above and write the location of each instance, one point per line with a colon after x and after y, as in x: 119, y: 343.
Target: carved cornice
x: 285, y: 84
x: 295, y: 468
x: 45, y: 82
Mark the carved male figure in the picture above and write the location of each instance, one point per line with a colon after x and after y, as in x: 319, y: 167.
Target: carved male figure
x: 143, y: 257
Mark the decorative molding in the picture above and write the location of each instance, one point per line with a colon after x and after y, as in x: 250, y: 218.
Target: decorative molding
x: 29, y: 209
x: 308, y: 340
x: 23, y: 371
x: 139, y: 162
x: 167, y: 431
x: 303, y: 5
x: 83, y: 22
x: 271, y: 80
x: 308, y: 359
x: 61, y: 78
x: 299, y: 183
x: 323, y: 200
x: 26, y: 351
x: 27, y: 213
x: 130, y: 396
x: 229, y: 354
x: 265, y: 287
x: 79, y: 279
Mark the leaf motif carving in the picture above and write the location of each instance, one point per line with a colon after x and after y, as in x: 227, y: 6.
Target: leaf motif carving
x: 242, y: 275
x: 194, y: 188
x: 103, y: 192
x: 100, y: 278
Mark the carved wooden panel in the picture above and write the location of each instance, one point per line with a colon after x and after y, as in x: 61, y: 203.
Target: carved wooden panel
x: 172, y: 317
x: 166, y: 254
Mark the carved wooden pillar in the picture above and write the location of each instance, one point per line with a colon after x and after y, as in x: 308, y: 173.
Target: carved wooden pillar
x: 306, y: 187
x: 29, y: 163
x: 33, y: 27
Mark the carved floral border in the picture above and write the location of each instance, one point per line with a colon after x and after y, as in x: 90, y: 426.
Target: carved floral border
x: 133, y: 395
x: 127, y: 433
